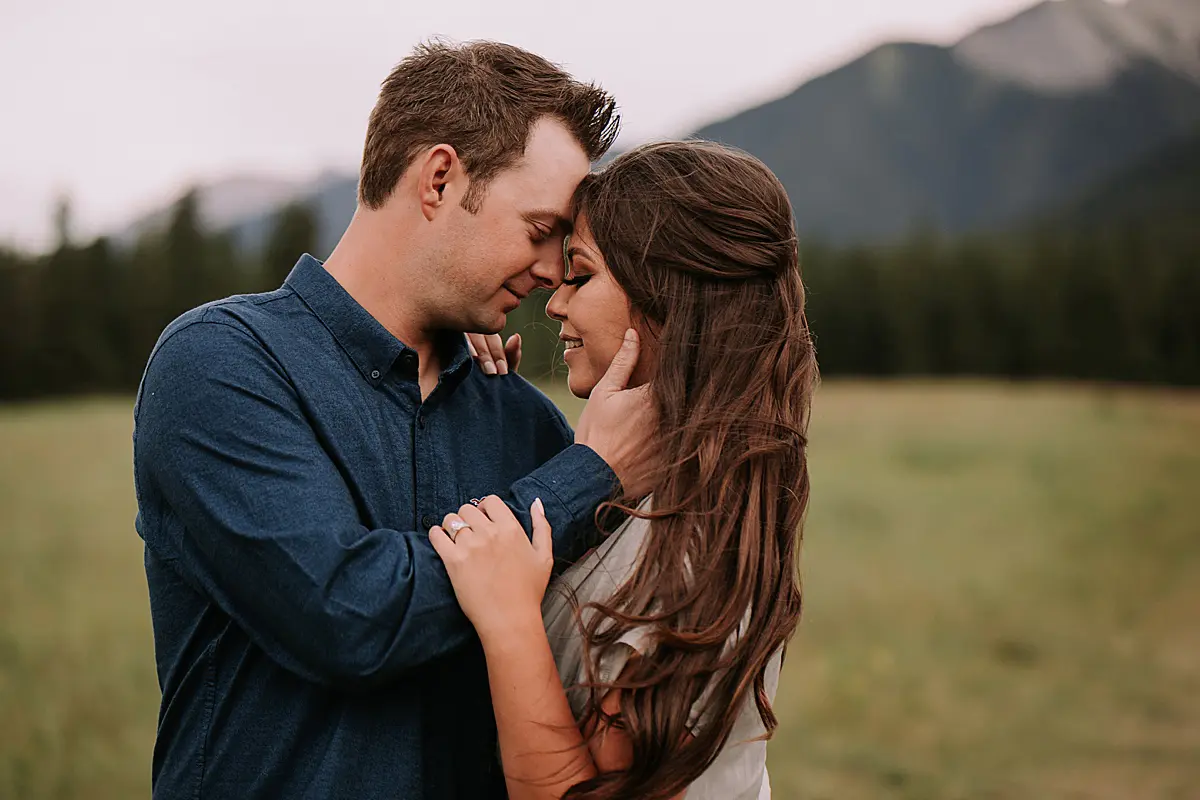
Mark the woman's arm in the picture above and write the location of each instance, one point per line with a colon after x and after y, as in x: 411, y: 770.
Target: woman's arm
x: 499, y: 577
x: 543, y: 751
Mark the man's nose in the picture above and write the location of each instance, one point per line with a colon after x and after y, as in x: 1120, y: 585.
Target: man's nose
x: 549, y: 271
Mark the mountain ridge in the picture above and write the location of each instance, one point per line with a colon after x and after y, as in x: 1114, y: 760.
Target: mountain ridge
x: 975, y: 135
x: 1070, y: 45
x: 907, y: 135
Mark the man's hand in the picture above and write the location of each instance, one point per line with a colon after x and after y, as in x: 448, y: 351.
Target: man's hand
x: 618, y: 422
x: 492, y: 357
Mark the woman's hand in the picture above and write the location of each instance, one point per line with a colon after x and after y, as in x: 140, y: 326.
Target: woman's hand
x: 493, y: 357
x: 499, y: 576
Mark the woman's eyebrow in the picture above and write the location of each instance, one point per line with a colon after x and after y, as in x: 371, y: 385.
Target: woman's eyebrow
x: 581, y: 250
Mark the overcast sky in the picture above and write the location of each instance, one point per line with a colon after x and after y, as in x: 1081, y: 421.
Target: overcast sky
x: 120, y: 103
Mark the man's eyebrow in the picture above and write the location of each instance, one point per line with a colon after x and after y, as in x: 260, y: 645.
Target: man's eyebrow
x: 549, y: 215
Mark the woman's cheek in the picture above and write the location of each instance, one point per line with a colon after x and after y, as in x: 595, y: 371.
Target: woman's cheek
x: 602, y: 357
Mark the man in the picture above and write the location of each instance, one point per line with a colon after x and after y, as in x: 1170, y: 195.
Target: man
x: 291, y: 450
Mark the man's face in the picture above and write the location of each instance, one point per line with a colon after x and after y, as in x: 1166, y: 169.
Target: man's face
x: 513, y: 243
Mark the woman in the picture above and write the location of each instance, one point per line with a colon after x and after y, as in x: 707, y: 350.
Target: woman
x: 668, y: 637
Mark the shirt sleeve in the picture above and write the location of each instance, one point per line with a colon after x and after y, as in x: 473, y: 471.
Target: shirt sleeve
x: 254, y: 515
x: 574, y: 478
x: 619, y: 561
x: 638, y: 641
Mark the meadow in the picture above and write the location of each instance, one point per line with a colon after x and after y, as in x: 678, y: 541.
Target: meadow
x: 1002, y: 598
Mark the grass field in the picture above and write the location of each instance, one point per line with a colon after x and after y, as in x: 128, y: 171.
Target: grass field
x: 1002, y: 599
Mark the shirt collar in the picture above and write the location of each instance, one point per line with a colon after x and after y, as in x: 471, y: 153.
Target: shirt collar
x: 372, y: 347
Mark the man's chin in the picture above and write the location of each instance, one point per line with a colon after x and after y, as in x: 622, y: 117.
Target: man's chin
x: 487, y: 326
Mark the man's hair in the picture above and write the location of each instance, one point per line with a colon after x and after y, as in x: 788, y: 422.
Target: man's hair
x: 481, y: 98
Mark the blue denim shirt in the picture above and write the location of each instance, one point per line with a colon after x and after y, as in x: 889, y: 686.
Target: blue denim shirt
x: 307, y: 638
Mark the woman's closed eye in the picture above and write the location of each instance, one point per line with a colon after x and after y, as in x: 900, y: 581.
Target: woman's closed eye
x: 574, y: 276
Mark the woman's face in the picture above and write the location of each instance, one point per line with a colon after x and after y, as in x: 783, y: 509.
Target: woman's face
x: 594, y: 313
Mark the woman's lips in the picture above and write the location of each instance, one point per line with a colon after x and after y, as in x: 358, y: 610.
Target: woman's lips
x: 571, y: 344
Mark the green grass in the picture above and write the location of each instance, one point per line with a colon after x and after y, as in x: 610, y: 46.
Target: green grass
x: 1002, y: 590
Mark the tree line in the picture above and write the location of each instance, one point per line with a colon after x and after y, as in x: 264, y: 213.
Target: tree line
x: 1114, y: 303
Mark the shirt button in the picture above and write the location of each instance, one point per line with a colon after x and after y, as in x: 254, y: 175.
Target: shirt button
x: 421, y: 423
x: 374, y: 374
x: 428, y: 522
x: 409, y: 360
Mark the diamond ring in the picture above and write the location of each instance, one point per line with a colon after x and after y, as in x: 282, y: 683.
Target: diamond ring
x: 456, y: 526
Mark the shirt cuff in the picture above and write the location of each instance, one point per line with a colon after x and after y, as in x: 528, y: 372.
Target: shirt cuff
x: 579, y: 480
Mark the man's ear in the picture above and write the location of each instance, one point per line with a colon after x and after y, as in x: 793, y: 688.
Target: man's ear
x: 439, y: 166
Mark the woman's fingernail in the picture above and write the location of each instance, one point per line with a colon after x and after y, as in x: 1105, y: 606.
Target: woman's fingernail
x: 489, y: 368
x: 503, y: 366
x: 631, y: 336
x: 537, y: 506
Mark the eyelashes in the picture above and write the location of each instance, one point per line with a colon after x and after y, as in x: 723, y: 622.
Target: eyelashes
x: 569, y: 264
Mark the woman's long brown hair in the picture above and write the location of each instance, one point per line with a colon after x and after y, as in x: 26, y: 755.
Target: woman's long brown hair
x: 701, y: 239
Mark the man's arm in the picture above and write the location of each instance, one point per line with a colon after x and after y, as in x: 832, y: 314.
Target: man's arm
x: 616, y: 423
x: 258, y: 518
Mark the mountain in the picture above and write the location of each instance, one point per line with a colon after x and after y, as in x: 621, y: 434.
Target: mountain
x: 224, y: 203
x: 1084, y: 44
x: 1016, y: 119
x: 1162, y: 186
x: 920, y: 134
x: 332, y: 197
x: 247, y: 206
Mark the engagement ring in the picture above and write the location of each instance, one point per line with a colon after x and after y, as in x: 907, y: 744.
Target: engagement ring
x: 456, y: 526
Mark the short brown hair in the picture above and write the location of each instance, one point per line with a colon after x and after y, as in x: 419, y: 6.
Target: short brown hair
x: 481, y: 98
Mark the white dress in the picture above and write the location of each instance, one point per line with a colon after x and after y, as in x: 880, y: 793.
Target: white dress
x: 740, y: 771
